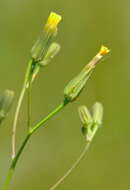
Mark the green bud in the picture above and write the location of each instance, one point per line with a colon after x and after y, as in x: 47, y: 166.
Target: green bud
x: 91, y: 124
x: 85, y: 115
x: 75, y: 87
x: 87, y: 122
x: 98, y: 113
x: 41, y: 46
x: 51, y: 53
x: 6, y: 100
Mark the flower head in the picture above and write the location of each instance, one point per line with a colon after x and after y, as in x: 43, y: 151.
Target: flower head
x: 52, y: 22
x: 76, y: 85
x: 43, y: 43
x: 104, y: 50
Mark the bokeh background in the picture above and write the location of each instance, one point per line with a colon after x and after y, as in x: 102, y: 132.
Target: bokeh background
x: 86, y: 25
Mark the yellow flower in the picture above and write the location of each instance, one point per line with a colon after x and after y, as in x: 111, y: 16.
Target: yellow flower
x: 104, y: 50
x: 52, y: 22
x: 44, y: 41
x: 76, y: 85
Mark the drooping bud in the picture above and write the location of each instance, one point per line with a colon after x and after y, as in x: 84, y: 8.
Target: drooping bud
x: 76, y: 85
x: 6, y: 100
x: 41, y: 46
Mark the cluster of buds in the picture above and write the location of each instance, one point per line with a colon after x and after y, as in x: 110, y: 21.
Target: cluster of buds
x: 91, y: 123
x: 44, y: 42
x: 76, y: 85
x: 6, y: 100
x: 44, y: 50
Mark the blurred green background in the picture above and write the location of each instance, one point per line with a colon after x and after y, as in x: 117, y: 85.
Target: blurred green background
x: 86, y: 25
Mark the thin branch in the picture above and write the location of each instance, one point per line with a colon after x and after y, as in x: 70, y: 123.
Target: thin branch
x: 19, y: 106
x: 16, y: 119
x: 72, y: 168
x: 29, y: 105
x: 31, y: 131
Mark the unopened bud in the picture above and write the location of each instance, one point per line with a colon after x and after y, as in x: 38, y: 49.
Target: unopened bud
x: 87, y: 122
x: 85, y: 115
x: 51, y: 53
x: 91, y: 123
x: 6, y: 100
x: 98, y: 113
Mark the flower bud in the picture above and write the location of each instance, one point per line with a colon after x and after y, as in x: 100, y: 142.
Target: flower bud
x: 51, y: 53
x: 87, y: 122
x: 85, y: 115
x: 74, y: 87
x: 98, y: 113
x: 6, y: 100
x: 41, y: 46
x: 91, y: 123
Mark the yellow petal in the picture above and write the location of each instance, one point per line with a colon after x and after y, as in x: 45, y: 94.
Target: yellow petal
x: 104, y: 50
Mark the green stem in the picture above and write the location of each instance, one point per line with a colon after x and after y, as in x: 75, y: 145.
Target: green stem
x: 32, y: 130
x: 72, y: 167
x: 54, y: 112
x: 8, y: 179
x: 95, y: 128
x: 19, y: 106
x: 29, y: 105
x: 13, y: 164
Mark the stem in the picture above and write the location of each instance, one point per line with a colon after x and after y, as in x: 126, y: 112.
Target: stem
x: 13, y: 164
x: 8, y: 179
x: 19, y: 106
x: 32, y: 130
x: 54, y: 112
x: 29, y: 105
x: 16, y: 119
x: 72, y: 168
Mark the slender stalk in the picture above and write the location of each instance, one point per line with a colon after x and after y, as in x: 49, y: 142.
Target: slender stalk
x: 29, y: 105
x: 32, y: 130
x: 13, y: 164
x: 72, y: 168
x: 8, y: 179
x: 44, y: 120
x: 16, y: 119
x: 19, y: 106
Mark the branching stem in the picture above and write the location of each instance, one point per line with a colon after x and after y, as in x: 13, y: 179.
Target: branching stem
x: 32, y: 130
